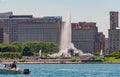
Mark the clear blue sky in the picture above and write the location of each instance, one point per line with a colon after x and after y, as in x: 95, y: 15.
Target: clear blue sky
x: 81, y: 10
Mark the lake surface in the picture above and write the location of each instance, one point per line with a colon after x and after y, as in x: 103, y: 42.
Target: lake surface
x: 69, y: 70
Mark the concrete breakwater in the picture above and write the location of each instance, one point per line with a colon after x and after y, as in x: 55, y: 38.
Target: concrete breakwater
x: 41, y: 61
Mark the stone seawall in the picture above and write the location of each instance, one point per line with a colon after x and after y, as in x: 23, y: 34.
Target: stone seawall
x: 41, y: 61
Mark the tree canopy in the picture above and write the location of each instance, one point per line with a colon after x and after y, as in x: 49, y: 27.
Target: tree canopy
x: 29, y: 48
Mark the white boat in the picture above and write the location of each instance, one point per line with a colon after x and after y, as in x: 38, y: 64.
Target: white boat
x: 8, y: 70
x: 14, y: 71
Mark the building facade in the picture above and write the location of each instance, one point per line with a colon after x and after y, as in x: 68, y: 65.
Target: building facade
x: 100, y: 43
x: 27, y: 28
x: 114, y: 18
x: 1, y: 31
x: 106, y: 46
x: 6, y: 15
x: 84, y: 35
x: 114, y: 32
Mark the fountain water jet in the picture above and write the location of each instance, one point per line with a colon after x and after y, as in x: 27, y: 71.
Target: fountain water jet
x: 66, y: 44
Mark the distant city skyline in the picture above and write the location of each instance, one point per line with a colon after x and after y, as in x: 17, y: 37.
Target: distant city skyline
x: 81, y: 10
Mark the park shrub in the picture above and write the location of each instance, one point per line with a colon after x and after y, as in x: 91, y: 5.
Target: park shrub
x: 22, y: 60
x: 72, y: 59
x: 96, y: 54
x: 98, y: 58
x: 111, y: 55
x: 11, y: 55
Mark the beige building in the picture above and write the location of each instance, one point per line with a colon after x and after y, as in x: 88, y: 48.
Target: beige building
x: 114, y: 32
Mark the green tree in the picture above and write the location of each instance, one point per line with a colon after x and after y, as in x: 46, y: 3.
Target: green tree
x: 10, y: 55
x: 30, y: 48
x: 51, y: 47
x: 8, y: 48
x: 19, y: 45
x: 27, y: 52
x: 13, y: 48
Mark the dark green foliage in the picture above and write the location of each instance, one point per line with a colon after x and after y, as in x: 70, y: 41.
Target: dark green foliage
x: 111, y: 55
x: 10, y: 55
x: 35, y: 46
x: 30, y: 48
x: 92, y: 61
x: 27, y: 52
x: 96, y: 54
x: 5, y: 49
x: 51, y: 47
x: 46, y: 48
x: 19, y: 45
x: 8, y: 48
x: 114, y: 54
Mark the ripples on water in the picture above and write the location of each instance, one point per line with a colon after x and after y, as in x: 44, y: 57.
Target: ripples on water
x: 69, y: 70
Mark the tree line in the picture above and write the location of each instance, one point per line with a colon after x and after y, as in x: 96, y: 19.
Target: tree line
x: 27, y: 49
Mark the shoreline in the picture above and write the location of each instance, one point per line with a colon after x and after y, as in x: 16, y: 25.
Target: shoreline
x: 41, y: 61
x: 52, y: 61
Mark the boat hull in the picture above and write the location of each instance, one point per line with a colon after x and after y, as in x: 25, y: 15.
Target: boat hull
x: 9, y: 71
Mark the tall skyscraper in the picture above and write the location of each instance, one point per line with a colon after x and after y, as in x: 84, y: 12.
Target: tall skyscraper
x: 113, y: 19
x: 114, y: 32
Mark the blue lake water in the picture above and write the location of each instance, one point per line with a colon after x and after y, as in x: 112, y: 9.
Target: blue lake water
x: 69, y: 70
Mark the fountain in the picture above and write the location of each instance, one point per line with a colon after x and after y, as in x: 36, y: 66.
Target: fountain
x: 67, y: 48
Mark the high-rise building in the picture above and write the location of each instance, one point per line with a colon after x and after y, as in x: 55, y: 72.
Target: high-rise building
x: 100, y: 44
x: 6, y: 15
x: 3, y: 16
x: 114, y: 32
x: 27, y: 28
x: 1, y: 31
x: 113, y: 20
x: 85, y: 36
